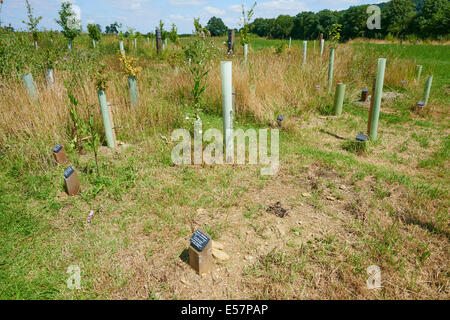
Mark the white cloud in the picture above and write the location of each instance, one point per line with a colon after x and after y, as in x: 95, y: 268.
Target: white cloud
x: 179, y: 3
x: 237, y: 8
x: 179, y: 17
x: 215, y: 11
x: 282, y: 6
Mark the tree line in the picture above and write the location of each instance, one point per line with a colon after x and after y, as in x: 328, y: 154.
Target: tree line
x: 399, y: 18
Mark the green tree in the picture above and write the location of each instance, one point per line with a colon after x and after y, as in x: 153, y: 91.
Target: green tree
x: 113, y: 28
x: 354, y: 22
x: 246, y: 18
x: 434, y: 18
x: 95, y: 32
x: 173, y: 34
x: 326, y: 19
x: 32, y: 22
x: 216, y: 27
x: 397, y: 16
x: 70, y: 25
x: 164, y: 33
x: 282, y: 27
x: 260, y: 26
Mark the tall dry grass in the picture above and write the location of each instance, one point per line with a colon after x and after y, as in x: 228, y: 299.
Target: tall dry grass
x: 270, y: 84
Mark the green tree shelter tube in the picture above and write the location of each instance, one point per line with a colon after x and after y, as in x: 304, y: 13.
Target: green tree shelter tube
x: 29, y: 85
x: 107, y: 123
x: 227, y: 106
x: 132, y: 86
x: 377, y: 98
x: 122, y: 50
x: 419, y: 72
x: 245, y: 52
x: 426, y: 94
x: 305, y: 47
x: 330, y: 70
x: 339, y: 99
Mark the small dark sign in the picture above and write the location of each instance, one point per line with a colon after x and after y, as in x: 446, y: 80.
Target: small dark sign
x: 199, y: 240
x: 361, y: 137
x: 420, y: 104
x: 68, y: 172
x: 57, y: 148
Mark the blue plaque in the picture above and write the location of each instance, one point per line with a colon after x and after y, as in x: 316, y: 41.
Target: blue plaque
x: 57, y: 148
x: 280, y: 118
x: 361, y: 137
x: 68, y: 172
x: 199, y: 240
x: 420, y: 104
x: 365, y: 90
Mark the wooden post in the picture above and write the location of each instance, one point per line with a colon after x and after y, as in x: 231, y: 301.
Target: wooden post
x: 364, y: 95
x: 158, y: 41
x: 231, y: 41
x: 71, y: 180
x: 59, y: 153
x: 200, y: 252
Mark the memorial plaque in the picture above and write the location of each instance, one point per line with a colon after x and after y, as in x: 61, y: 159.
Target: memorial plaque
x: 71, y: 180
x: 59, y: 153
x: 200, y: 252
x: 361, y: 137
x: 420, y: 106
x: 199, y: 240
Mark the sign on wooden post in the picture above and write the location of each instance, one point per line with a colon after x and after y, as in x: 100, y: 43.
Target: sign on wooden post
x: 158, y: 41
x: 59, y: 153
x: 200, y: 252
x: 71, y: 180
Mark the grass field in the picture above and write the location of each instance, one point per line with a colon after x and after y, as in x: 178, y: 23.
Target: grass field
x: 386, y: 206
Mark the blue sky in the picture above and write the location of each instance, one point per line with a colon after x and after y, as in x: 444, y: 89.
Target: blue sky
x: 144, y: 15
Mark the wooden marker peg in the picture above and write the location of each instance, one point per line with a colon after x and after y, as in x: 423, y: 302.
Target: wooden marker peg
x: 59, y: 153
x: 364, y: 95
x: 72, y: 183
x: 200, y: 252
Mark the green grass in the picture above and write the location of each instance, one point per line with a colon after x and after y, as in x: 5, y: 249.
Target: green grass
x: 143, y: 204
